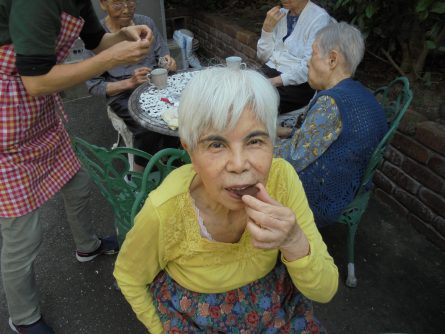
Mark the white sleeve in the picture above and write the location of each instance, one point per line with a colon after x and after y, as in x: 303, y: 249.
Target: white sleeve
x: 265, y: 46
x: 298, y: 73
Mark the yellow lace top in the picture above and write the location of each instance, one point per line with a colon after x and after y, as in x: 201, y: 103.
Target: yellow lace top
x: 166, y: 236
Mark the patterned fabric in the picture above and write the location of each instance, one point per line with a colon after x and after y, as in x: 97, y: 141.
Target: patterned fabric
x: 332, y: 180
x: 36, y: 158
x: 321, y: 127
x: 269, y: 305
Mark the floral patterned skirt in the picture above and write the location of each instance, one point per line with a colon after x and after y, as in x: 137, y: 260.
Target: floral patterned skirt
x: 269, y: 305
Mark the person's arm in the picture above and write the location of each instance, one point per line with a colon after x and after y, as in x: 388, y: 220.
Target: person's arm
x: 287, y: 224
x: 139, y: 77
x: 299, y: 72
x: 276, y: 81
x: 63, y: 76
x: 266, y: 43
x: 137, y: 265
x: 316, y: 274
x: 35, y: 44
x: 131, y: 33
x: 321, y: 127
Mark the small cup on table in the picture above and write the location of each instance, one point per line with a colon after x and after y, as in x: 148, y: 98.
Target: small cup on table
x: 235, y: 62
x: 158, y: 78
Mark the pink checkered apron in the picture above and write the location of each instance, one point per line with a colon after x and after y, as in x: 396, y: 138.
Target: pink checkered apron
x: 36, y: 158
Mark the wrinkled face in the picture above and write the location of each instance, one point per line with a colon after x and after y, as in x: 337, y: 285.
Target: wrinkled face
x: 318, y: 69
x: 120, y: 11
x: 233, y: 160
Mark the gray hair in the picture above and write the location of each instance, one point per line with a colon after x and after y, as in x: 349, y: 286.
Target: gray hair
x: 215, y: 98
x: 346, y: 39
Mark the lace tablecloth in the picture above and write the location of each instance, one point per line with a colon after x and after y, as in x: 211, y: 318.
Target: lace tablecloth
x: 147, y: 103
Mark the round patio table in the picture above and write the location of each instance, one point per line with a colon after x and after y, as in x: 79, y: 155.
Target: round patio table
x: 147, y: 103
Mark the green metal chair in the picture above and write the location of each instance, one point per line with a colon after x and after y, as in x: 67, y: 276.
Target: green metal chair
x: 124, y: 189
x: 395, y: 99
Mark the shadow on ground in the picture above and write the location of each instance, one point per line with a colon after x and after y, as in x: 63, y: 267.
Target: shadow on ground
x: 401, y: 285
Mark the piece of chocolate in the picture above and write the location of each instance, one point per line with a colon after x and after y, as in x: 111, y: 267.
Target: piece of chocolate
x: 252, y: 191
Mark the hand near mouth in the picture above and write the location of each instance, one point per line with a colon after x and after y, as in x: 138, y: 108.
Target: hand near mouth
x: 273, y: 226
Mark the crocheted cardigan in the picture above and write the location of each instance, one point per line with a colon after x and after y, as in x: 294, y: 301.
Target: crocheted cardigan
x: 332, y: 180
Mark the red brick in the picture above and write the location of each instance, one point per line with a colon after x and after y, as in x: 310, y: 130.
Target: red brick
x: 400, y: 177
x: 383, y: 182
x: 253, y: 41
x: 423, y: 174
x: 409, y: 122
x: 410, y: 147
x: 414, y: 205
x: 228, y: 40
x: 394, y: 156
x: 432, y: 135
x: 391, y: 202
x: 230, y: 29
x: 209, y: 19
x: 437, y: 164
x: 432, y: 200
x: 248, y: 52
x: 427, y: 230
x: 439, y: 224
x: 245, y: 36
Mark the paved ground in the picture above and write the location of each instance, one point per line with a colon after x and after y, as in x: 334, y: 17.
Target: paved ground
x: 401, y: 274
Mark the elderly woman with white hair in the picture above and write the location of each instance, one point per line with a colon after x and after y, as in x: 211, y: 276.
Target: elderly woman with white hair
x: 228, y: 243
x: 342, y: 125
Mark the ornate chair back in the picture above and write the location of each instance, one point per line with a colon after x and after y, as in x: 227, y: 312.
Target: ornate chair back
x: 125, y: 189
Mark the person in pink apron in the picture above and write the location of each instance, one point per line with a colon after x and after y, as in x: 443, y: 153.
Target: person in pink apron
x: 36, y: 158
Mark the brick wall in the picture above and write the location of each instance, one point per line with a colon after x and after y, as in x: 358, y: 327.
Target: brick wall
x: 217, y: 37
x: 412, y: 177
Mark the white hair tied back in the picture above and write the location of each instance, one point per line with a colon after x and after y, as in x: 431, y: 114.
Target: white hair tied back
x: 216, y: 97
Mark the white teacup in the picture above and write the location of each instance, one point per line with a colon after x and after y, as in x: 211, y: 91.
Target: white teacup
x: 235, y: 62
x: 158, y: 77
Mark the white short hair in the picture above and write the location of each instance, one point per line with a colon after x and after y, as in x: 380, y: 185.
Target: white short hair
x: 344, y: 38
x: 216, y: 97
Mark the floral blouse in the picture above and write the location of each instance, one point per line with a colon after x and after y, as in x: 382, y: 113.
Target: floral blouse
x: 321, y: 127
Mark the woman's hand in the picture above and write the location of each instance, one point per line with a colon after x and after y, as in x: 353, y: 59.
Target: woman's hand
x: 276, y: 81
x: 272, y: 17
x: 138, y: 32
x: 283, y: 132
x: 139, y: 76
x: 272, y: 226
x: 127, y: 52
x: 171, y: 63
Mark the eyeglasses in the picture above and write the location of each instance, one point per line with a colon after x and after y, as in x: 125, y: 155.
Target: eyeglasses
x: 119, y: 5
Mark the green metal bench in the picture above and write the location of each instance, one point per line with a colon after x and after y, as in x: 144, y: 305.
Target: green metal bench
x: 124, y: 189
x: 395, y: 99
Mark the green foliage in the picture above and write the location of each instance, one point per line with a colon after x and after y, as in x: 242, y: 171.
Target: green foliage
x: 404, y: 30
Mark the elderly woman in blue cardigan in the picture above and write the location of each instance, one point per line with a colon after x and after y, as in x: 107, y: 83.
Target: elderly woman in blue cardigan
x: 342, y: 125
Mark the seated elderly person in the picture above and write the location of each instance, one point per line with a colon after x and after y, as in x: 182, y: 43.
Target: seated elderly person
x: 227, y: 243
x: 118, y: 83
x: 342, y: 126
x: 285, y: 47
